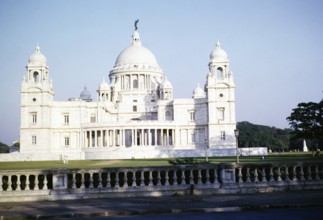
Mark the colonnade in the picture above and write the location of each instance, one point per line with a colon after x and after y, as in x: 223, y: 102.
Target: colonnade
x: 129, y: 137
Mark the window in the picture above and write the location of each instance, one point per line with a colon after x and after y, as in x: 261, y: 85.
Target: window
x: 168, y: 116
x: 193, y: 137
x: 34, y: 117
x: 33, y: 139
x: 135, y: 84
x: 36, y: 77
x: 134, y: 108
x: 221, y: 113
x: 67, y: 141
x: 219, y: 73
x: 93, y: 118
x: 222, y: 135
x: 66, y: 119
x: 192, y: 116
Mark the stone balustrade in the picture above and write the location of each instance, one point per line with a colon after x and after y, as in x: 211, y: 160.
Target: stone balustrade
x: 56, y: 184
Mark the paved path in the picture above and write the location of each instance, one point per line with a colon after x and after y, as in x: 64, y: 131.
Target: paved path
x: 160, y: 205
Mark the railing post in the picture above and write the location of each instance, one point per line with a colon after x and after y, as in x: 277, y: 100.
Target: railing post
x: 309, y: 172
x: 45, y: 182
x: 9, y: 188
x: 199, y: 177
x: 108, y: 180
x: 279, y: 179
x: 271, y: 174
x: 36, y: 187
x: 248, y: 180
x: 174, y: 177
x: 294, y: 174
x: 18, y: 188
x: 27, y: 182
x: 301, y: 173
x: 256, y: 180
x: 207, y: 176
x: 1, y: 183
x: 183, y: 177
x: 166, y: 178
x: 287, y: 179
x: 263, y: 174
x: 228, y: 173
x: 215, y: 176
x: 317, y: 177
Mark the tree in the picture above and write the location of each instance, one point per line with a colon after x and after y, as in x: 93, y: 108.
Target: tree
x: 307, y: 121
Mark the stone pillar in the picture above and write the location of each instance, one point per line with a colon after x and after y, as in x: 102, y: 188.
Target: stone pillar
x: 228, y: 173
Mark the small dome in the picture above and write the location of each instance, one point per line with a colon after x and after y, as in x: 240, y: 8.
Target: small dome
x: 85, y: 95
x: 218, y: 53
x: 37, y: 58
x: 136, y: 54
x: 198, y: 92
x: 166, y: 84
x: 104, y: 85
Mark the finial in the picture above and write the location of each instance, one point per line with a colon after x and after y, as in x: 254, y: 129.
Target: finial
x: 136, y: 23
x: 218, y: 44
x: 37, y: 48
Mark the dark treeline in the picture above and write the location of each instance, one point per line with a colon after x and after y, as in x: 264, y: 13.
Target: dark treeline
x: 252, y: 135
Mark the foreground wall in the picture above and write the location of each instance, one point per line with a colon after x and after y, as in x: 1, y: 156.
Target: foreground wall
x: 63, y: 184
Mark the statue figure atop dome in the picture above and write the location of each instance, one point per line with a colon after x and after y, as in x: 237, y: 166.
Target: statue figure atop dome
x: 136, y: 22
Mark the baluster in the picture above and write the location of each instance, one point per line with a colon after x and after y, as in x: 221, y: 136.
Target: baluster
x: 207, y: 177
x: 287, y: 179
x: 240, y: 175
x: 263, y: 174
x: 1, y: 183
x: 133, y: 180
x: 191, y: 177
x: 199, y: 176
x: 125, y: 184
x: 36, y: 187
x: 108, y: 180
x: 301, y: 173
x: 117, y: 180
x: 166, y: 178
x: 150, y: 183
x: 279, y: 178
x: 309, y: 173
x: 174, y: 178
x: 27, y: 182
x: 82, y: 186
x: 99, y: 180
x: 91, y: 186
x: 216, y: 176
x: 142, y: 178
x: 294, y: 174
x: 317, y: 177
x: 248, y: 180
x: 45, y: 182
x: 18, y: 183
x: 9, y: 188
x: 73, y: 181
x: 271, y: 175
x: 158, y: 178
x: 183, y: 177
x: 256, y: 180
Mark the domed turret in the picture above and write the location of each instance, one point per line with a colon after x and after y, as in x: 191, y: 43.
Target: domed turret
x: 218, y: 54
x: 198, y: 92
x: 85, y: 95
x: 37, y: 58
x: 103, y: 85
x: 166, y: 84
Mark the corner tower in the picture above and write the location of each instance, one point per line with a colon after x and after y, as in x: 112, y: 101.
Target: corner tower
x: 221, y: 102
x: 36, y: 98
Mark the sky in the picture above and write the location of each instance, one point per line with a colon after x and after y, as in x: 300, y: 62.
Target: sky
x: 275, y: 48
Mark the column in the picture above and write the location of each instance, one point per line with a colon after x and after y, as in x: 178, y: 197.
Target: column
x: 95, y: 138
x: 167, y: 137
x: 155, y: 133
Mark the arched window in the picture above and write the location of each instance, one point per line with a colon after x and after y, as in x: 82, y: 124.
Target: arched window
x: 219, y: 73
x: 36, y: 77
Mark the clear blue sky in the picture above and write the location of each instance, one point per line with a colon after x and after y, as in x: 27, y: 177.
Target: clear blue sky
x: 275, y: 48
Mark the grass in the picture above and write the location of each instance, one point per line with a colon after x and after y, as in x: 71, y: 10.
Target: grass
x: 277, y: 158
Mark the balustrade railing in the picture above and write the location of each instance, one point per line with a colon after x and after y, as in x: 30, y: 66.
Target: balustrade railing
x: 167, y: 178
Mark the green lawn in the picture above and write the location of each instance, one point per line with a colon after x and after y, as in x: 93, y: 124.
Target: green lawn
x: 279, y: 158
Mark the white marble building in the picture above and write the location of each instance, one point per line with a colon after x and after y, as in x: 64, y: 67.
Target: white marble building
x: 134, y: 116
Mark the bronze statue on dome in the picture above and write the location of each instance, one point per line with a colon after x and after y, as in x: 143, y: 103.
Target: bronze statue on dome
x: 136, y: 22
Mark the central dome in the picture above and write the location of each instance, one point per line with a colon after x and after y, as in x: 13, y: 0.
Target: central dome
x: 136, y: 54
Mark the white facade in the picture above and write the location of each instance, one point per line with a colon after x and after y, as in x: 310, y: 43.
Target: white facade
x: 134, y: 116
